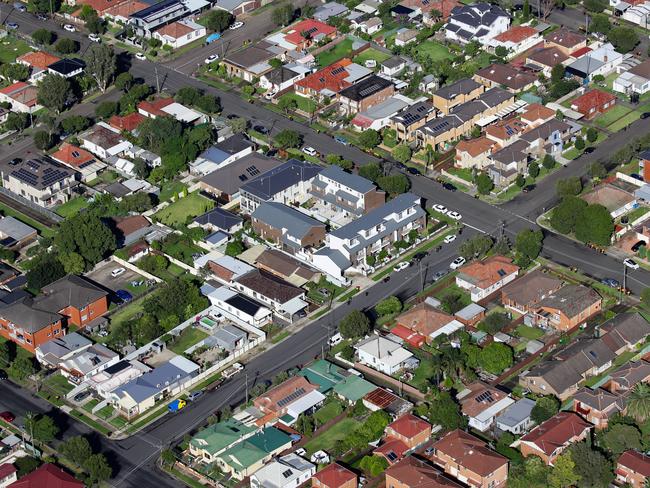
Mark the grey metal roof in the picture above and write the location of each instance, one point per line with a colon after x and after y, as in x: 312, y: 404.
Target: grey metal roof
x: 60, y: 346
x: 281, y: 178
x: 281, y: 216
x: 584, y: 66
x: 516, y: 413
x: 545, y: 130
x: 328, y: 10
x: 356, y: 182
x: 228, y: 336
x: 219, y: 218
x: 463, y: 86
x: 231, y: 177
x: 154, y: 381
x: 23, y: 314
x: 336, y: 256
x: 14, y: 228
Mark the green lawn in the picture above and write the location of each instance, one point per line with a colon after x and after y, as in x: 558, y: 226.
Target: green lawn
x: 58, y: 384
x: 188, y: 207
x: 342, y: 49
x: 531, y: 333
x: 11, y: 48
x: 623, y: 122
x: 637, y: 213
x: 89, y: 405
x: 106, y: 411
x: 171, y: 188
x: 72, y: 207
x: 572, y: 153
x: 612, y: 116
x: 8, y: 211
x: 328, y: 438
x: 118, y: 422
x: 328, y: 412
x: 127, y: 312
x: 305, y: 104
x: 371, y: 53
x: 464, y: 173
x: 434, y: 50
x: 188, y: 338
x: 423, y: 375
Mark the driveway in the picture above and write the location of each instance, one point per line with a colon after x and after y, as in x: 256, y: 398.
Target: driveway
x: 102, y: 276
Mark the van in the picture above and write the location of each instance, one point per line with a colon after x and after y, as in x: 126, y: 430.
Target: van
x: 20, y: 6
x: 335, y: 339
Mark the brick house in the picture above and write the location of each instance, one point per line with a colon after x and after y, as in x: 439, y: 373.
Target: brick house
x: 470, y: 460
x: 413, y: 472
x: 75, y: 298
x: 277, y: 401
x: 29, y: 327
x: 536, y: 114
x: 465, y: 90
x: 428, y: 321
x: 549, y: 439
x: 474, y: 153
x: 329, y: 81
x: 565, y: 40
x: 482, y: 278
x: 304, y: 33
x: 411, y: 430
x: 524, y: 294
x: 593, y: 103
x: 597, y: 406
x: 334, y: 476
x: 482, y: 403
x: 505, y: 76
x: 365, y: 94
x: 633, y: 468
x: 566, y: 308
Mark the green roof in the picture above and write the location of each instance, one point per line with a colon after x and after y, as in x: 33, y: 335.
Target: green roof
x: 252, y: 450
x: 217, y: 437
x: 324, y: 374
x: 270, y: 439
x: 353, y: 388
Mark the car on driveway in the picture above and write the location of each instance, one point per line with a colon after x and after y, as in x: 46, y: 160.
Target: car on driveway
x: 454, y: 215
x: 440, y: 208
x: 211, y: 59
x: 140, y: 56
x: 79, y: 397
x: 458, y: 262
x: 7, y: 416
x: 117, y: 272
x: 69, y: 28
x: 12, y: 25
x: 450, y: 238
x: 261, y: 129
x: 94, y: 38
x: 401, y: 266
x: 630, y: 263
x: 124, y: 295
x: 310, y: 151
x: 611, y: 282
x: 236, y: 25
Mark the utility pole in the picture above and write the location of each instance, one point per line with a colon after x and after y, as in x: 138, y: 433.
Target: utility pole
x: 624, y: 283
x: 246, y: 378
x: 157, y: 79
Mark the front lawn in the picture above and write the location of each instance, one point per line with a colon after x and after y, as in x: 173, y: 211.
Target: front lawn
x: 611, y: 116
x: 623, y: 122
x: 58, y: 384
x: 463, y: 173
x: 434, y: 50
x: 341, y: 50
x: 327, y: 439
x: 304, y: 104
x: 371, y: 53
x: 190, y: 336
x: 183, y: 209
x: 72, y: 207
x: 11, y: 48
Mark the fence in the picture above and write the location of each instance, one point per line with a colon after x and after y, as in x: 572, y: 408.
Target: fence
x: 404, y: 388
x: 130, y: 266
x: 48, y: 214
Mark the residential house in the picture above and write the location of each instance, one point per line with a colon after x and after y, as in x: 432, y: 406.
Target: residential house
x: 22, y: 97
x: 392, y: 66
x: 428, y: 321
x: 289, y: 471
x: 412, y: 472
x: 247, y: 457
x: 405, y: 36
x: 625, y: 378
x: 469, y: 460
x: 238, y: 7
x: 329, y: 81
x: 505, y: 76
x: 433, y: 11
x: 334, y: 476
x: 633, y: 469
x: 331, y: 9
x: 226, y: 182
x: 75, y: 298
x: 15, y: 234
x: 601, y: 61
x: 381, y: 399
x: 214, y: 439
x: 222, y: 154
x: 119, y: 13
x: 625, y: 332
x: 324, y: 374
x: 547, y: 58
x: 384, y: 355
x: 476, y: 22
x: 37, y: 61
x: 566, y: 308
x: 288, y: 183
x: 474, y: 153
x: 48, y: 475
x: 52, y: 352
x: 104, y: 141
x: 483, y: 278
x: 524, y: 294
x: 288, y: 400
x: 412, y: 431
x: 551, y: 438
x: 508, y: 162
x: 286, y: 301
x: 548, y: 138
x: 516, y: 419
x: 126, y: 123
x: 79, y: 160
x: 285, y: 267
x: 406, y: 122
x: 597, y: 406
x: 303, y: 34
x: 129, y: 230
x: 251, y: 62
x: 239, y: 307
x: 506, y: 132
x: 167, y: 107
x: 370, y: 26
x: 283, y: 78
x: 346, y: 193
x: 353, y: 388
x: 593, y: 103
x: 219, y: 219
x: 535, y: 114
x: 287, y: 228
x: 365, y: 94
x: 7, y: 474
x: 350, y: 245
x: 482, y: 403
x: 458, y: 93
x: 634, y: 80
x: 28, y: 326
x: 67, y: 67
x: 86, y: 363
x: 179, y: 33
x: 145, y: 21
x: 565, y: 40
x: 109, y: 379
x: 516, y: 40
x: 162, y: 382
x: 41, y: 181
x: 368, y: 6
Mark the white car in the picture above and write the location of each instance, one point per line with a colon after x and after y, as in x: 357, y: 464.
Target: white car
x: 401, y: 266
x: 630, y: 263
x: 310, y: 151
x: 269, y: 95
x: 440, y: 208
x: 236, y: 25
x: 117, y: 272
x: 69, y: 28
x: 335, y: 339
x: 457, y: 263
x: 454, y: 215
x: 450, y: 238
x: 94, y: 38
x: 140, y: 56
x: 211, y: 59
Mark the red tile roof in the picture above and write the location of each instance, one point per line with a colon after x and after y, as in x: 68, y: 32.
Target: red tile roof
x: 593, y: 99
x: 48, y: 475
x: 580, y: 52
x: 294, y: 34
x: 125, y: 9
x: 443, y: 6
x: 99, y: 6
x: 476, y: 147
x: 393, y: 450
x: 38, y: 59
x: 470, y: 452
x: 516, y: 34
x: 424, y: 319
x: 129, y: 225
x: 72, y: 155
x: 22, y: 92
x: 126, y: 122
x: 175, y: 30
x: 408, y: 335
x: 155, y: 107
x: 556, y: 432
x: 416, y: 473
x: 484, y: 274
x: 635, y: 461
x: 330, y: 77
x: 6, y: 469
x: 537, y: 111
x: 334, y: 476
x: 272, y: 400
x: 409, y: 425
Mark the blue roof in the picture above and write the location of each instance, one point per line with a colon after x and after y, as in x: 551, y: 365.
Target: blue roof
x: 216, y: 237
x: 215, y: 155
x: 219, y: 218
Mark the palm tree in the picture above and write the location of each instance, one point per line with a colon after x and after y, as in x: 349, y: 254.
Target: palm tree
x: 453, y: 363
x: 638, y: 403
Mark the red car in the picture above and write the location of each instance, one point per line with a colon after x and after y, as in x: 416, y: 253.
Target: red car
x: 7, y: 416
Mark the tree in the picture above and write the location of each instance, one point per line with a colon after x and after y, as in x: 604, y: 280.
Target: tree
x: 77, y: 449
x: 594, y: 469
x: 567, y: 213
x: 545, y: 407
x: 218, y: 20
x: 563, y: 474
x: 389, y: 306
x: 124, y: 81
x: 44, y: 6
x: 238, y: 125
x: 188, y: 95
x: 42, y: 427
x: 73, y: 263
x: 14, y: 72
x: 501, y: 51
x: 86, y: 235
x: 106, y: 110
x: 17, y: 121
x: 101, y: 65
x: 7, y: 352
x: 444, y: 411
x: 54, y: 92
x: 354, y: 325
x: 66, y: 46
x: 373, y: 465
x: 96, y: 25
x: 162, y: 135
x: 369, y: 138
x: 595, y: 6
x: 595, y: 225
x: 494, y: 322
x: 287, y: 139
x: 624, y: 39
x: 557, y: 73
x: 525, y: 11
x: 235, y: 247
x: 452, y: 301
x: 75, y: 124
x: 484, y: 183
x: 337, y: 160
x: 401, y: 153
x: 496, y: 357
x: 43, y: 36
x: 520, y: 181
x: 580, y: 143
x: 476, y: 247
x: 592, y: 134
x: 287, y: 104
x: 533, y: 169
x: 43, y: 270
x: 638, y: 403
x: 394, y: 184
x: 371, y: 171
x: 600, y: 23
x: 597, y: 170
x: 548, y: 162
x: 568, y: 186
x: 98, y: 468
x: 528, y: 245
x: 620, y: 437
x: 305, y: 424
x: 131, y: 98
x: 26, y: 465
x: 43, y: 140
x: 283, y: 15
x: 167, y: 457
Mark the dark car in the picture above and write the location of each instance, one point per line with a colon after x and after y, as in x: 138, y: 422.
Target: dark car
x: 386, y: 280
x: 637, y: 246
x: 528, y: 188
x: 3, y: 375
x: 611, y: 282
x: 15, y: 161
x: 589, y: 150
x: 448, y: 186
x: 232, y: 116
x: 261, y: 129
x: 645, y: 115
x: 637, y: 176
x: 7, y: 416
x: 124, y: 295
x: 42, y: 17
x: 438, y: 276
x: 413, y: 171
x: 81, y: 396
x: 419, y: 256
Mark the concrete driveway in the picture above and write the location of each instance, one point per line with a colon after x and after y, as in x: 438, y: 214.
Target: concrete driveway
x: 102, y: 276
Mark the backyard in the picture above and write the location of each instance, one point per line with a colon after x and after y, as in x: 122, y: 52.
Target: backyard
x: 72, y: 207
x: 530, y: 333
x: 342, y: 49
x: 171, y: 189
x: 183, y: 209
x: 187, y: 338
x: 11, y: 48
x: 327, y: 439
x: 434, y: 50
x: 371, y: 53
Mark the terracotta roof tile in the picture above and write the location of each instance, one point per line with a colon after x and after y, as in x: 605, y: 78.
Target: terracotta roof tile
x: 126, y: 122
x: 556, y: 432
x: 334, y: 476
x: 592, y: 99
x: 72, y: 155
x: 470, y: 452
x: 409, y: 425
x: 393, y: 450
x: 483, y: 274
x: 330, y: 77
x: 516, y: 34
x: 565, y: 38
x: 416, y: 473
x: 537, y: 111
x: 38, y: 59
x: 297, y: 386
x: 175, y: 30
x: 294, y: 34
x: 124, y: 9
x: 155, y: 107
x: 635, y: 461
x: 470, y: 404
x: 129, y: 225
x: 476, y: 147
x: 424, y: 319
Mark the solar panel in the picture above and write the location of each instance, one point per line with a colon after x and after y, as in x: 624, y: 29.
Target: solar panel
x: 252, y: 170
x: 371, y: 89
x: 391, y: 456
x: 501, y: 273
x: 311, y: 31
x: 243, y: 177
x: 486, y: 396
x: 291, y: 397
x: 338, y: 70
x: 287, y: 473
x: 75, y: 154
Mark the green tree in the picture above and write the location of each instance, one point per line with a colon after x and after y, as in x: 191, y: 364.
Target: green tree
x: 525, y: 11
x: 595, y: 225
x: 597, y: 170
x: 43, y: 140
x: 389, y: 306
x: 287, y: 104
x: 354, y: 325
x: 130, y: 99
x: 369, y: 139
x: 167, y: 457
x: 548, y: 162
x: 26, y: 465
x: 86, y: 235
x: 444, y: 411
x: 638, y: 403
x: 98, y: 468
x: 545, y: 407
x: 600, y: 23
x: 568, y: 186
x: 484, y: 183
x: 7, y: 352
x: 592, y: 134
x: 305, y: 424
x: 563, y: 474
x: 596, y: 6
x: 238, y: 125
x: 42, y: 427
x: 520, y: 181
x: 106, y: 110
x: 533, y: 169
x: 101, y: 64
x: 624, y: 39
x: 371, y: 171
x: 593, y: 467
x: 43, y: 270
x: 620, y: 437
x: 394, y: 184
x: 75, y: 124
x: 17, y: 121
x: 43, y: 37
x: 44, y: 6
x: 77, y: 449
x: 124, y: 81
x: 567, y: 213
x: 557, y: 73
x: 14, y: 72
x: 73, y: 263
x: 401, y: 153
x: 476, y: 247
x: 66, y: 46
x: 496, y: 357
x: 528, y: 245
x: 337, y: 160
x: 218, y: 20
x: 283, y: 15
x: 580, y: 143
x: 235, y: 247
x: 54, y: 92
x: 287, y: 139
x: 373, y: 465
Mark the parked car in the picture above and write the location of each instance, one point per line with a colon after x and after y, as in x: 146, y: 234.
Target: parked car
x: 637, y: 176
x: 7, y: 416
x: 233, y: 370
x: 448, y: 186
x: 124, y: 295
x: 310, y: 151
x: 637, y: 246
x: 428, y: 451
x: 20, y: 7
x: 211, y: 59
x: 269, y: 95
x: 194, y: 395
x: 261, y: 129
x: 94, y: 38
x: 15, y: 161
x: 630, y: 263
x: 401, y: 266
x: 341, y: 140
x: 335, y: 339
x: 645, y: 115
x: 611, y: 282
x: 454, y: 215
x: 236, y: 25
x: 413, y: 171
x: 449, y: 239
x: 3, y: 375
x: 420, y: 256
x: 117, y: 272
x: 79, y: 397
x: 440, y: 208
x: 12, y: 25
x: 528, y: 188
x: 438, y: 275
x: 69, y: 28
x: 176, y: 405
x: 457, y: 263
x: 42, y: 17
x: 140, y: 56
x: 589, y: 150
